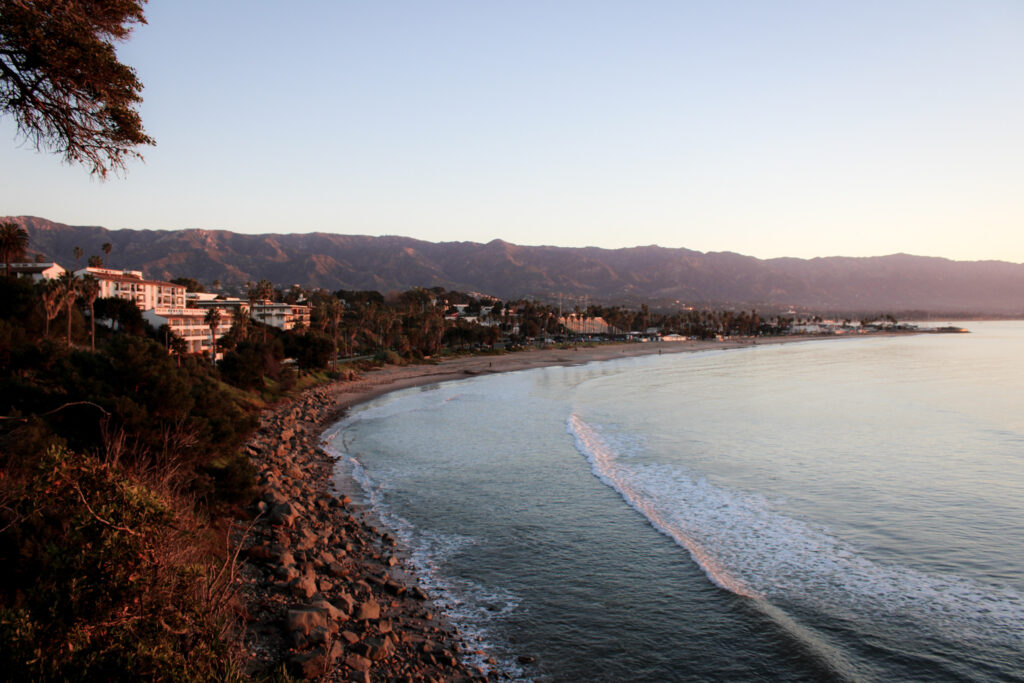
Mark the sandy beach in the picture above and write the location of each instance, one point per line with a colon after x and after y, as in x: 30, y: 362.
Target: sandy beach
x: 393, y: 378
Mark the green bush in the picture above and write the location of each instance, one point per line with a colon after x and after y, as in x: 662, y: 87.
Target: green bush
x: 102, y: 577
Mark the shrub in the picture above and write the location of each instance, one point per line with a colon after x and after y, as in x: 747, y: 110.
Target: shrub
x: 103, y: 577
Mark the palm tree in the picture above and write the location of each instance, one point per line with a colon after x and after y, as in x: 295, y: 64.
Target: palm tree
x: 68, y: 285
x: 212, y: 320
x: 13, y: 243
x: 332, y: 309
x: 264, y: 289
x: 78, y: 254
x: 240, y: 324
x: 89, y: 288
x: 107, y: 247
x: 52, y: 298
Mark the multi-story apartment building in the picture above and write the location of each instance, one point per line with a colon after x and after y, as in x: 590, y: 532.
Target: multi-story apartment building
x: 279, y: 315
x: 130, y: 285
x: 282, y: 316
x: 187, y: 323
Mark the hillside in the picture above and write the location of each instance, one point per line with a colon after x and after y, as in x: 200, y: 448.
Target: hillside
x: 653, y: 274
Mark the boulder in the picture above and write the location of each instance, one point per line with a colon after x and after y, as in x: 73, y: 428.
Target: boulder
x: 368, y: 611
x: 283, y: 514
x: 304, y: 586
x: 331, y: 611
x: 357, y: 663
x: 305, y: 619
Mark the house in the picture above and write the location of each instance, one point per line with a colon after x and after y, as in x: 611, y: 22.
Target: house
x: 37, y: 271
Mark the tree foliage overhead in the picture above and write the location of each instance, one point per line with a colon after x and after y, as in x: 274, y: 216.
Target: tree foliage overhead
x: 61, y: 80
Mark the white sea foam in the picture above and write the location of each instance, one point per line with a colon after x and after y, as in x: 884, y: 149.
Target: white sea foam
x: 470, y: 606
x: 746, y: 546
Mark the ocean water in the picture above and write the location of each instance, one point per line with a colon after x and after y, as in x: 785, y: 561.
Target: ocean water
x: 845, y: 509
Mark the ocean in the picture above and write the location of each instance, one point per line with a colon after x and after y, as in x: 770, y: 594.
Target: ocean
x: 842, y: 509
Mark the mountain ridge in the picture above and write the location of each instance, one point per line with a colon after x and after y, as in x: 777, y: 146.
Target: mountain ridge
x: 656, y: 275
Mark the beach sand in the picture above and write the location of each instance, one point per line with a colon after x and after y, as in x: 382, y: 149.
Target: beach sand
x: 393, y: 378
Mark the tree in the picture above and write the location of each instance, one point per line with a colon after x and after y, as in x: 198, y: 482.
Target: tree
x: 62, y: 82
x: 262, y: 290
x: 334, y: 309
x: 95, y: 262
x: 67, y: 283
x: 107, y: 247
x: 13, y: 243
x: 89, y: 288
x: 212, y: 320
x: 189, y: 283
x: 52, y: 299
x: 78, y: 255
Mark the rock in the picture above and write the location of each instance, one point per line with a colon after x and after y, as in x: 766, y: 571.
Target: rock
x: 357, y: 663
x: 345, y: 602
x: 283, y: 514
x: 305, y: 619
x: 368, y: 611
x: 349, y: 637
x: 304, y: 586
x: 307, y: 539
x: 377, y: 648
x: 332, y: 611
x: 288, y: 573
x: 316, y: 663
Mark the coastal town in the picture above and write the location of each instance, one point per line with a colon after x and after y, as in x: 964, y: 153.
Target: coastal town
x: 190, y: 316
x: 213, y: 400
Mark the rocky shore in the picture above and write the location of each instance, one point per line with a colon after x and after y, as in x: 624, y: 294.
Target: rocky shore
x: 324, y: 593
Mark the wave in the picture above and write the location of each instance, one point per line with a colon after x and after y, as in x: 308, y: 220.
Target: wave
x: 744, y: 545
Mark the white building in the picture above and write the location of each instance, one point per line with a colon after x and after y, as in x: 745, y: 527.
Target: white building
x: 282, y: 316
x: 37, y: 271
x: 129, y: 285
x: 187, y: 323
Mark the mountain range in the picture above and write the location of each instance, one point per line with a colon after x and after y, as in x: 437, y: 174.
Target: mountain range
x: 661, y: 277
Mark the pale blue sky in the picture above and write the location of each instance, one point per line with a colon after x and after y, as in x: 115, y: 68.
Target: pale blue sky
x: 768, y: 128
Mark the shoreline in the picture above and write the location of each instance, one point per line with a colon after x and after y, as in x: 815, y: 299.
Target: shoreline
x: 326, y: 592
x: 379, y: 382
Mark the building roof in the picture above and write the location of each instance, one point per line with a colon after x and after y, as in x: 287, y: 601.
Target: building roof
x: 131, y: 278
x: 31, y: 267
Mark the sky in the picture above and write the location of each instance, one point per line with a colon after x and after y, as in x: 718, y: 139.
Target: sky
x: 784, y: 128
